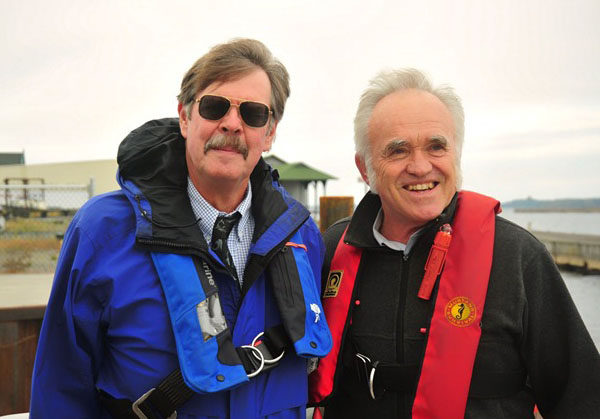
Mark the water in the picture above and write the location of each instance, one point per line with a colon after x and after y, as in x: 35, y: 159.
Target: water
x: 561, y: 222
x: 585, y: 289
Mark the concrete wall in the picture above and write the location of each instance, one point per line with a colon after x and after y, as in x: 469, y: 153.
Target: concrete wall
x: 79, y: 173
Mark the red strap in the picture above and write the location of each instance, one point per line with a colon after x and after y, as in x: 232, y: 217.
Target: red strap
x: 455, y: 326
x: 336, y: 303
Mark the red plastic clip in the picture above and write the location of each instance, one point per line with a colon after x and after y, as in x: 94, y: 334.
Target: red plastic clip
x: 435, y: 261
x: 301, y: 246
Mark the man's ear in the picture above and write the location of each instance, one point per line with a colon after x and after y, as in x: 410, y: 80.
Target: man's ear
x: 362, y: 168
x: 183, y: 119
x: 270, y: 136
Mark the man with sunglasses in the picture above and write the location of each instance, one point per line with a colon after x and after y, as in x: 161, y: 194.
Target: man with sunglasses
x: 438, y: 307
x: 194, y: 290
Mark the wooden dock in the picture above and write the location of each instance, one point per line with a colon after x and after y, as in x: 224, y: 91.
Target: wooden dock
x: 23, y: 299
x: 573, y: 250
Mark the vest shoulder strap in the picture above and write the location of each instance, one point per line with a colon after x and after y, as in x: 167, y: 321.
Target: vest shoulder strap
x: 447, y: 366
x: 337, y: 297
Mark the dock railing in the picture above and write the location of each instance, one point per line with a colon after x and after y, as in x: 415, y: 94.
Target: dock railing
x: 580, y: 251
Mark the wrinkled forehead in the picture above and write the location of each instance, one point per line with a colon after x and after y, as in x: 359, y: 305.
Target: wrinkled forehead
x: 410, y: 115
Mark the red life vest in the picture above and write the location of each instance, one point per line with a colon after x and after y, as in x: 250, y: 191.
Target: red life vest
x: 455, y: 326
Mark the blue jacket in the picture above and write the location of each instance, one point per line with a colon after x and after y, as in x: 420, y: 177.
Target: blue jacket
x: 107, y: 324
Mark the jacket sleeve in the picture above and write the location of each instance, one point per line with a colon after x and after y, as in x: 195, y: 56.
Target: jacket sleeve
x: 69, y: 347
x: 562, y: 360
x: 316, y: 249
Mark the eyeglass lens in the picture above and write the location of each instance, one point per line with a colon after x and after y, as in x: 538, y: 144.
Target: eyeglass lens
x: 214, y: 108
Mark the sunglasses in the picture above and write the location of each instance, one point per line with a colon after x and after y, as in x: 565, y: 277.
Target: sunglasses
x: 254, y: 114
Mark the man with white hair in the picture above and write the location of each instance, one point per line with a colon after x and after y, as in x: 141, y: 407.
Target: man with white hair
x: 438, y: 307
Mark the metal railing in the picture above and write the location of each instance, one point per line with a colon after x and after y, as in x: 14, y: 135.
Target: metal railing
x: 33, y: 220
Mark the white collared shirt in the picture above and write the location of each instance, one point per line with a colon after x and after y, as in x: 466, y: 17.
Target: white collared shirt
x: 394, y: 245
x: 240, y: 238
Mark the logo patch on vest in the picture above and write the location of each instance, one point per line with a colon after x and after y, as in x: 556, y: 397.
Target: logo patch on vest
x: 461, y: 312
x: 333, y: 284
x: 315, y: 309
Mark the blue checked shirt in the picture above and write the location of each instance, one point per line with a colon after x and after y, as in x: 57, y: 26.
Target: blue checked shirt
x: 241, y: 235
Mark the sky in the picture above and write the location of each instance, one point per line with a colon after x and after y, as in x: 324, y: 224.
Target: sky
x: 77, y: 77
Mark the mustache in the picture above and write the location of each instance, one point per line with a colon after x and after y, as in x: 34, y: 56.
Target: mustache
x: 233, y: 142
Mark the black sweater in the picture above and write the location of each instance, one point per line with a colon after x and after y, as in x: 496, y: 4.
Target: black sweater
x: 530, y: 326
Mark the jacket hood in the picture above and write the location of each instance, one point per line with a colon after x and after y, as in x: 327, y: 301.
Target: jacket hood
x: 147, y: 150
x: 153, y: 174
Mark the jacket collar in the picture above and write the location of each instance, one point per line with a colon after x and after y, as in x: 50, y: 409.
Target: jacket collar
x: 360, y: 230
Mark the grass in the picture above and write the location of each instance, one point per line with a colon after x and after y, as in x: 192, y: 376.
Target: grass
x: 56, y: 225
x: 31, y: 244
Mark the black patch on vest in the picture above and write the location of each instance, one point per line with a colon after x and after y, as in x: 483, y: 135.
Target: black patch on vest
x: 285, y: 280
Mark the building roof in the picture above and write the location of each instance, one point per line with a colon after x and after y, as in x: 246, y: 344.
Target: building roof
x: 301, y: 172
x: 274, y: 161
x: 296, y: 171
x: 12, y: 158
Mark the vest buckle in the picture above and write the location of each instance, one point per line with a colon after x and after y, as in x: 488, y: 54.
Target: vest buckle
x: 137, y: 411
x: 257, y: 354
x: 366, y: 374
x: 263, y: 348
x: 257, y: 357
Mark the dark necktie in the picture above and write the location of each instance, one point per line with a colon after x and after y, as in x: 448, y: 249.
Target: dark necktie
x: 220, y: 233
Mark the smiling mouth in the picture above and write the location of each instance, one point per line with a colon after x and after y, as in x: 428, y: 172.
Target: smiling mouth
x: 421, y: 187
x: 230, y: 149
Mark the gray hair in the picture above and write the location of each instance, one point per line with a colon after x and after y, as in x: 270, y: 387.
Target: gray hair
x: 387, y: 82
x: 230, y: 61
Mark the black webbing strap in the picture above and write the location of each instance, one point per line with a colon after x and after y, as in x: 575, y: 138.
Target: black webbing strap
x: 118, y: 408
x: 403, y: 377
x: 158, y: 403
x: 489, y: 384
x: 162, y: 401
x: 277, y: 340
x: 396, y: 377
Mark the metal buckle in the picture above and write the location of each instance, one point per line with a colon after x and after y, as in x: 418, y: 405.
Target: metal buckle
x: 267, y: 361
x: 368, y: 369
x: 371, y: 377
x: 260, y: 357
x: 138, y: 412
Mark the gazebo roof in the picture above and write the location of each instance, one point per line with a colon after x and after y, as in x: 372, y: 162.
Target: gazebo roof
x: 297, y: 171
x: 12, y: 158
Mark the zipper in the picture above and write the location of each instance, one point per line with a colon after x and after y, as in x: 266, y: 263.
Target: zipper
x: 156, y: 242
x: 401, y: 400
x: 166, y: 243
x: 402, y: 308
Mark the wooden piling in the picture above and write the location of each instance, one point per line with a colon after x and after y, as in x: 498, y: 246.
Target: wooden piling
x: 333, y: 208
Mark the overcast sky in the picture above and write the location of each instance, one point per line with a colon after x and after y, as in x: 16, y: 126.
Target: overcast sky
x: 77, y: 76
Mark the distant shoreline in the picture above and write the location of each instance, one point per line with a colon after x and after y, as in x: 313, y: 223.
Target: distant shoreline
x: 597, y: 209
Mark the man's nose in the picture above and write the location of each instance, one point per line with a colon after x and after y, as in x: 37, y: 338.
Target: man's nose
x: 418, y: 163
x: 231, y: 123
